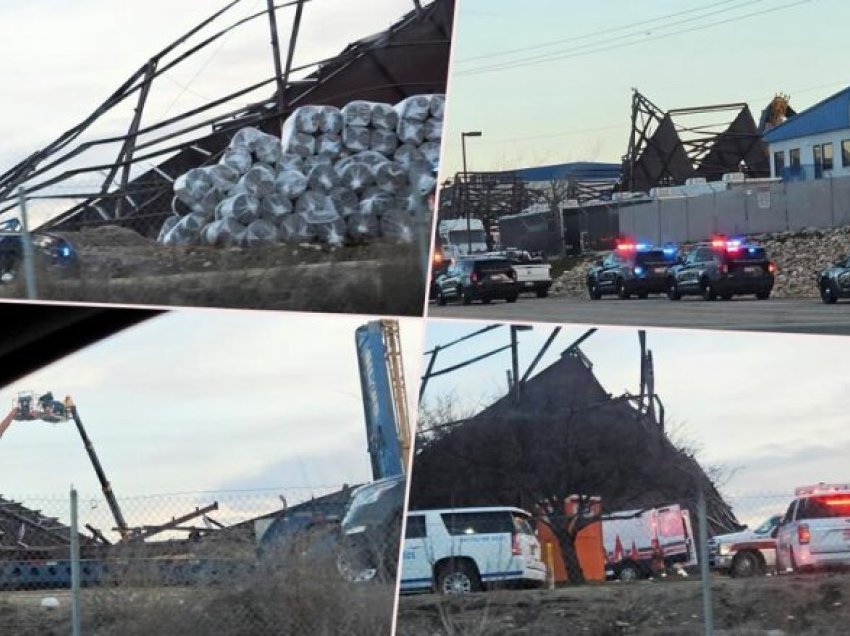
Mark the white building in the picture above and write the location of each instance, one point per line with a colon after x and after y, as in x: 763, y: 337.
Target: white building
x: 813, y: 144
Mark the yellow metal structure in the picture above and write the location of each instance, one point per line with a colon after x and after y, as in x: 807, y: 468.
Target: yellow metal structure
x: 392, y: 342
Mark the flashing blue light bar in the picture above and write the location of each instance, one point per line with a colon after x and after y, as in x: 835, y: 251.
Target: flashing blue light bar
x: 65, y: 251
x: 641, y: 246
x: 638, y: 270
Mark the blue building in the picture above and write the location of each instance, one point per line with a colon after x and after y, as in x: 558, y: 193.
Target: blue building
x: 813, y: 144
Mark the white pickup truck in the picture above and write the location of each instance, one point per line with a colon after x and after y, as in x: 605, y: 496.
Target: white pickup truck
x: 533, y: 275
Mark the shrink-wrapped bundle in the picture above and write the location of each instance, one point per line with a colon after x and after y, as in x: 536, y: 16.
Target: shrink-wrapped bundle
x: 345, y: 201
x: 258, y: 181
x: 323, y: 178
x: 362, y: 226
x: 316, y: 207
x: 330, y: 120
x: 260, y: 232
x: 274, y: 207
x: 238, y: 158
x: 242, y: 207
x: 355, y: 176
x: 375, y: 201
x: 185, y: 231
x: 356, y: 138
x: 397, y: 226
x: 290, y: 183
x: 390, y: 176
x: 383, y: 141
x: 295, y: 229
x: 223, y: 233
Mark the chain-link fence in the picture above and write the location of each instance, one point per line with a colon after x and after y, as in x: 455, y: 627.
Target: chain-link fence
x: 266, y: 562
x: 782, y: 570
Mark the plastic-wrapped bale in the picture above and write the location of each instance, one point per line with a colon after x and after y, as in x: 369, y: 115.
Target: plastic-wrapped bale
x: 415, y: 108
x: 433, y: 129
x: 355, y: 176
x: 411, y: 131
x: 245, y: 138
x: 390, y: 176
x: 332, y: 233
x: 299, y: 129
x: 259, y: 180
x: 169, y: 223
x: 224, y: 177
x: 323, y: 178
x: 411, y: 202
x: 317, y: 160
x: 316, y: 207
x: 431, y: 151
x: 422, y: 178
x: 329, y: 144
x: 290, y: 161
x: 238, y: 158
x: 267, y: 148
x: 438, y: 106
x: 223, y: 233
x: 242, y: 207
x: 407, y: 154
x: 345, y: 201
x: 362, y: 226
x: 330, y: 120
x: 260, y: 233
x: 192, y: 186
x: 290, y: 183
x: 295, y: 229
x: 397, y: 225
x: 356, y: 138
x: 375, y: 114
x: 274, y: 207
x: 383, y: 141
x: 367, y: 157
x: 375, y: 201
x: 186, y: 231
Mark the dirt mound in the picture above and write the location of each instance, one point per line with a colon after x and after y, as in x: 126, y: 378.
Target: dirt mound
x: 106, y: 236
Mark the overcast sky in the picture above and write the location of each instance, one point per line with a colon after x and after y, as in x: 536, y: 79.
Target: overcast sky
x: 567, y: 96
x: 63, y: 58
x: 201, y: 400
x: 767, y: 408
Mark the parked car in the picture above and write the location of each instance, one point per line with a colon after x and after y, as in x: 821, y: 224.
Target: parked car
x: 749, y: 552
x: 631, y: 269
x: 532, y: 273
x: 371, y: 531
x: 483, y: 278
x: 52, y: 252
x: 815, y: 531
x: 722, y: 268
x: 834, y: 281
x: 458, y: 550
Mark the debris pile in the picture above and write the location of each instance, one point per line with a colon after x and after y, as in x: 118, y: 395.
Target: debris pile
x: 335, y: 176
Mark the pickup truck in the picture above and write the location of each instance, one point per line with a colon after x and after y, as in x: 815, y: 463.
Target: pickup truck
x: 533, y: 275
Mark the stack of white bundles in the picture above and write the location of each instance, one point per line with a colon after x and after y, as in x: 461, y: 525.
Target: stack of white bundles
x: 365, y: 170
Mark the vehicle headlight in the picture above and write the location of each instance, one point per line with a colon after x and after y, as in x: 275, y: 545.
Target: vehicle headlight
x: 723, y: 549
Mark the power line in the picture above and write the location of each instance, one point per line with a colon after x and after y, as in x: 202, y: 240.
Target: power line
x: 590, y: 35
x: 567, y: 55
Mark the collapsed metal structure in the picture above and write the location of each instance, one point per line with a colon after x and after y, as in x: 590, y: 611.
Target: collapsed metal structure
x: 408, y: 58
x: 666, y: 148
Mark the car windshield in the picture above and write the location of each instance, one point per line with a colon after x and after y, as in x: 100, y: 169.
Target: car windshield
x: 825, y: 507
x: 492, y: 265
x: 766, y: 526
x: 459, y: 237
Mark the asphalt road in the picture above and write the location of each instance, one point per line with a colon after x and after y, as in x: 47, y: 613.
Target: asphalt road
x: 744, y: 314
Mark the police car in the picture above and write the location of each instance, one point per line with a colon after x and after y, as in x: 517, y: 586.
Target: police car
x: 834, y: 281
x: 722, y: 268
x: 815, y: 531
x: 631, y: 269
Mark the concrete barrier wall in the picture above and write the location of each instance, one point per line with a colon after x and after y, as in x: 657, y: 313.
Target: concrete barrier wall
x: 747, y: 209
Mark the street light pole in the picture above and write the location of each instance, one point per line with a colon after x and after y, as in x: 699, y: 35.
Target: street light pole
x: 463, y: 136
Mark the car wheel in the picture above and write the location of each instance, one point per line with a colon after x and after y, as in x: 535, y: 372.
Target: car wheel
x: 441, y: 300
x: 673, y: 292
x: 628, y: 572
x: 466, y: 295
x: 512, y: 298
x: 542, y: 293
x: 622, y: 292
x: 763, y: 295
x: 726, y: 296
x: 457, y: 578
x: 827, y: 294
x: 746, y: 564
x: 708, y: 291
x: 593, y: 290
x: 486, y: 300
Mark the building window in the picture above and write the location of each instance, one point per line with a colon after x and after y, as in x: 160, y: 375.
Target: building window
x: 827, y: 156
x: 817, y: 160
x: 778, y: 163
x: 794, y: 158
x: 845, y: 153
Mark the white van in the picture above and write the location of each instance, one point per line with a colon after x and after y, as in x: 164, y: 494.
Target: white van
x: 456, y: 550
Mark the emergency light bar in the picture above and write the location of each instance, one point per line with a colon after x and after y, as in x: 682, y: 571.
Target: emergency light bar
x: 632, y: 247
x: 821, y: 489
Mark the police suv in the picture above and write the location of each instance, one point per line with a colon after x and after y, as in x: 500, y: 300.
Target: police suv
x: 631, y: 269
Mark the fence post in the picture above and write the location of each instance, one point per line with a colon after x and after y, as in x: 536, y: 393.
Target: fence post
x: 75, y: 566
x: 705, y: 575
x: 26, y: 244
